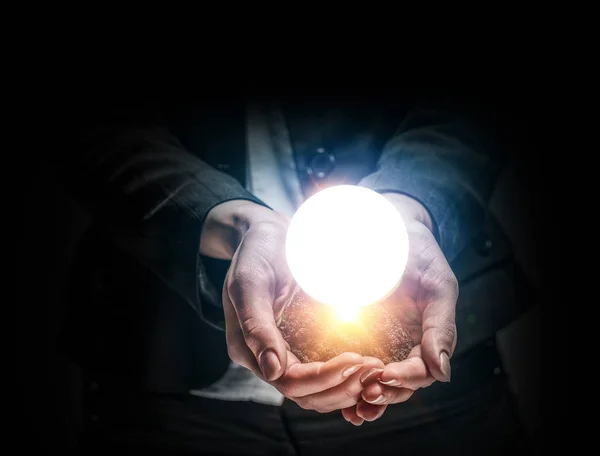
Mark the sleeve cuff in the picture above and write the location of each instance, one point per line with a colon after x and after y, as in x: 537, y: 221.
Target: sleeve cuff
x: 435, y: 195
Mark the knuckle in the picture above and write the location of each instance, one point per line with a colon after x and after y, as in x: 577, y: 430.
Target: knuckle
x: 351, y: 393
x: 448, y: 330
x: 452, y: 283
x: 430, y: 281
x: 253, y: 328
x: 288, y: 389
x: 326, y: 409
x: 404, y: 395
x: 428, y: 383
x: 439, y: 277
x: 237, y: 285
x: 413, y: 372
x: 242, y: 278
x: 305, y: 403
x: 244, y: 274
x: 234, y: 287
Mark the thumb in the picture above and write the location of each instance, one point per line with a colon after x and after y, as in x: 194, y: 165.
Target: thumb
x: 439, y: 334
x: 254, y: 309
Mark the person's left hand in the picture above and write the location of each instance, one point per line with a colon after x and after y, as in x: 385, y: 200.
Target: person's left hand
x: 425, y: 303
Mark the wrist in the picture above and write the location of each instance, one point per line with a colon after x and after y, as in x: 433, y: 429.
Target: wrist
x: 410, y: 209
x: 227, y: 223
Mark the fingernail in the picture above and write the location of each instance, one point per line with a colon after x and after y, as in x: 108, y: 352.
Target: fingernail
x: 351, y: 370
x: 380, y: 400
x: 358, y: 423
x: 369, y: 374
x: 269, y: 364
x: 392, y: 382
x: 445, y: 366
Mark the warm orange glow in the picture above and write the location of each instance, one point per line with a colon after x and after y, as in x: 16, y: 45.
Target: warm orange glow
x: 347, y: 313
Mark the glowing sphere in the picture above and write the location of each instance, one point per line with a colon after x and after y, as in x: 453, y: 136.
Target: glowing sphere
x: 347, y: 246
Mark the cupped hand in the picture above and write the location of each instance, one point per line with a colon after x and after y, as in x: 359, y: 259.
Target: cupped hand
x: 425, y: 303
x: 257, y: 285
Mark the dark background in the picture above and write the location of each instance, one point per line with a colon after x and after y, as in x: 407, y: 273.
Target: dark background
x: 47, y: 384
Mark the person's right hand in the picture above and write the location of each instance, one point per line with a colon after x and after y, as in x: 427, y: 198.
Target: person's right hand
x: 256, y: 287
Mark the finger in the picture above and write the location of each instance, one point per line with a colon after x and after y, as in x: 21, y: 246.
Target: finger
x: 349, y: 414
x: 236, y: 346
x: 410, y: 373
x: 378, y: 394
x: 439, y: 326
x: 303, y: 379
x: 250, y: 293
x: 237, y: 349
x: 369, y: 412
x: 342, y: 396
x: 372, y: 370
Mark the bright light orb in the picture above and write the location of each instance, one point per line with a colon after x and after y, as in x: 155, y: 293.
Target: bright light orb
x: 347, y: 246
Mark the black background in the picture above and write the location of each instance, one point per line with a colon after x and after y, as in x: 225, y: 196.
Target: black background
x: 45, y: 417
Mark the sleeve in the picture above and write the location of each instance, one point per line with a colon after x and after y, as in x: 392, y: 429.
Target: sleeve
x: 136, y: 180
x: 447, y: 160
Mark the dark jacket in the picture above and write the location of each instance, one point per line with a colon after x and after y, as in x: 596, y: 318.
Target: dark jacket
x: 145, y: 306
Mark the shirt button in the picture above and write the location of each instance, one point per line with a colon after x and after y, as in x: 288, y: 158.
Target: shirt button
x: 321, y: 164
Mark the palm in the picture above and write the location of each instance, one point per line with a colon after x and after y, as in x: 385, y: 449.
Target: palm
x: 409, y: 300
x: 406, y: 311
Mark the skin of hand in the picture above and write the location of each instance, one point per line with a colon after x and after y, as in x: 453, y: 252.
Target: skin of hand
x: 257, y: 285
x: 425, y: 301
